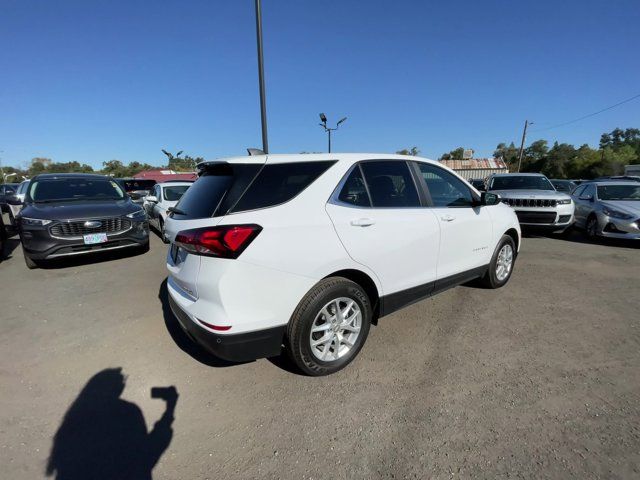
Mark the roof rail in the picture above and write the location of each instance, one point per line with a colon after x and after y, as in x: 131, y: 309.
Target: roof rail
x: 255, y: 151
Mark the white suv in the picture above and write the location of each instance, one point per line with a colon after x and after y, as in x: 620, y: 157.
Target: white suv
x: 307, y: 251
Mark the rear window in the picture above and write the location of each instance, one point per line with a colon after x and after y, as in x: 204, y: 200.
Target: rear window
x: 216, y: 191
x: 136, y: 185
x: 279, y: 183
x: 231, y: 188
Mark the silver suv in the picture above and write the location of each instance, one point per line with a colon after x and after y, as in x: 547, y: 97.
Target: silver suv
x: 534, y: 199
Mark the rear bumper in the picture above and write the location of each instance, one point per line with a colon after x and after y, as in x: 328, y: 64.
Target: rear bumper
x: 239, y: 347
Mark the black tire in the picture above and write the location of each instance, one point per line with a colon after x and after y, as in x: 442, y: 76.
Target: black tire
x: 591, y: 227
x: 298, y: 341
x: 490, y: 279
x: 29, y: 262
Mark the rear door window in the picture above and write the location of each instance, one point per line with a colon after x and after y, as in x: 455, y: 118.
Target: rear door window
x: 390, y: 184
x: 278, y: 183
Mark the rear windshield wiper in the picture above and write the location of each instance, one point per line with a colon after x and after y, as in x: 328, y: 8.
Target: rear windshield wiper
x: 176, y: 210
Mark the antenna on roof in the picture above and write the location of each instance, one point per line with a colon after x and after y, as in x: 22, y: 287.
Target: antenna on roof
x: 255, y: 151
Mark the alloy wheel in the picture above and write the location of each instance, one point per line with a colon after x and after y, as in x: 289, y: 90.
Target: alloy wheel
x: 335, y: 329
x: 504, y: 262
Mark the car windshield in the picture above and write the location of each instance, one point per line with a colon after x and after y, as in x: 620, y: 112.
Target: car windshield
x: 174, y: 193
x: 137, y: 185
x: 521, y: 182
x: 563, y: 185
x: 71, y: 189
x: 619, y: 192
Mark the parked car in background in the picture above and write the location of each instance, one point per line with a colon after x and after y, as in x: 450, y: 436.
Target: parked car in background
x: 608, y: 209
x: 75, y: 214
x: 566, y: 186
x: 310, y: 250
x: 137, y: 189
x: 478, y: 183
x: 163, y: 196
x: 534, y: 199
x: 623, y: 178
x: 15, y: 201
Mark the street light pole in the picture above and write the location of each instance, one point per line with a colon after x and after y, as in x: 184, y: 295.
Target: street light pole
x: 323, y: 119
x: 524, y: 136
x: 263, y: 100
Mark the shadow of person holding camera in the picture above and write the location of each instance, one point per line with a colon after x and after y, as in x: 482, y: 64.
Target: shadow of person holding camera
x: 105, y: 437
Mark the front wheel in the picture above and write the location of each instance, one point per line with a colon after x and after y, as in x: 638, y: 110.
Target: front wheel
x: 329, y: 326
x: 592, y: 227
x: 501, y: 265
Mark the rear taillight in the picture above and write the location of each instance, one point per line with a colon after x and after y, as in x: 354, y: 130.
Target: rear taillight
x: 225, y: 241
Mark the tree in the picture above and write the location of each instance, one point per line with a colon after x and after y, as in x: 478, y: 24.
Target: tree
x: 413, y: 151
x: 115, y: 168
x: 181, y: 164
x: 456, y: 154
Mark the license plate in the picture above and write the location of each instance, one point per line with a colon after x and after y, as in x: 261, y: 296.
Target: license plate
x: 95, y: 238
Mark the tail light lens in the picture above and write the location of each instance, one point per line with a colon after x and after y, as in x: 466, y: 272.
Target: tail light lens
x: 224, y: 241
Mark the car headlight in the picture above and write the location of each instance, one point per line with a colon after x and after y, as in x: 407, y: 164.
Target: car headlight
x: 564, y: 201
x: 137, y: 215
x: 35, y: 222
x: 616, y: 213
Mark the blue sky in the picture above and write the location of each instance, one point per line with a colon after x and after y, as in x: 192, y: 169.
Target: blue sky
x: 97, y: 80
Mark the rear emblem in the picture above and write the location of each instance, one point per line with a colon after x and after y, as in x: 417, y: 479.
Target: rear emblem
x: 92, y: 224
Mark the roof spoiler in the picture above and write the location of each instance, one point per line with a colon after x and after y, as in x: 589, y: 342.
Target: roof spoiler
x: 255, y: 151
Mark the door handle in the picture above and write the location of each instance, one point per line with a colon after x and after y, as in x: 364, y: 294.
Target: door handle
x: 362, y: 222
x: 447, y: 218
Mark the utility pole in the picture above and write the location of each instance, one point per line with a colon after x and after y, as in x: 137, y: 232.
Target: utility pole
x: 263, y: 100
x: 524, y: 136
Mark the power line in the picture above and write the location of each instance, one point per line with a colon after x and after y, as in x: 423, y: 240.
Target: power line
x: 587, y: 116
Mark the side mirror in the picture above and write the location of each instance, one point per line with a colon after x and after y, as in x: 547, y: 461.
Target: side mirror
x: 587, y: 197
x: 487, y: 198
x: 14, y: 200
x: 152, y: 198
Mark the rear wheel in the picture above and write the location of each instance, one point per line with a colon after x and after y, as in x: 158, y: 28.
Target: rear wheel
x: 501, y: 265
x: 329, y: 326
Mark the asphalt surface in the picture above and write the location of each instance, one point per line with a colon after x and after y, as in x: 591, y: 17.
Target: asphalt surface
x: 540, y: 379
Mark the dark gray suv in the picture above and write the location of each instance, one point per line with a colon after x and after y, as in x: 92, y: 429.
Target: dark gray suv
x: 74, y: 214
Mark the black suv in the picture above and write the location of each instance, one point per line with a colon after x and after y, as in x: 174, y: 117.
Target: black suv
x: 73, y: 214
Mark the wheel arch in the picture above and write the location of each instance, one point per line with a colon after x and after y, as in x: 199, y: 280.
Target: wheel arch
x: 513, y: 233
x: 367, y: 283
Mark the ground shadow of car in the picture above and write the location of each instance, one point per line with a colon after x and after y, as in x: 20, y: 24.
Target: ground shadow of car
x: 578, y: 236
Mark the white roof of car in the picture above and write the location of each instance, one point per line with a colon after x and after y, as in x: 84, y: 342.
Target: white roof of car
x: 317, y: 157
x: 519, y: 174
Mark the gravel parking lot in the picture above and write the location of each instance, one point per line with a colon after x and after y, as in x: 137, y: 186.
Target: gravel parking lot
x: 538, y: 379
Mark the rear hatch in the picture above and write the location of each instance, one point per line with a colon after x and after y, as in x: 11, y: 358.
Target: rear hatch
x: 219, y: 186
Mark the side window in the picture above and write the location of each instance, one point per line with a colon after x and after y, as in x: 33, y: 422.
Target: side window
x: 390, y: 184
x: 446, y: 190
x: 578, y: 191
x: 23, y: 188
x: 354, y: 191
x: 278, y: 183
x: 157, y: 193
